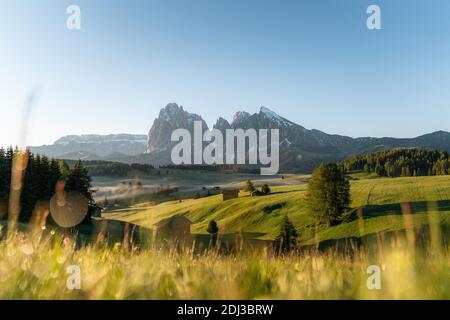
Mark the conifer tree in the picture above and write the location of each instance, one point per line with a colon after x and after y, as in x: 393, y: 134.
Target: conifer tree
x: 54, y: 175
x: 3, y: 175
x: 213, y: 229
x: 80, y: 181
x: 287, y: 237
x: 64, y: 168
x: 249, y: 186
x: 328, y: 194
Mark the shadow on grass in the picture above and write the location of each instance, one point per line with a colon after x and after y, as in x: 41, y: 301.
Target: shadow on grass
x: 390, y: 209
x: 282, y: 192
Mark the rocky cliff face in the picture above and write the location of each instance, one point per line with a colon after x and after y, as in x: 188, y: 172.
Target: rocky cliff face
x: 170, y: 118
x: 222, y: 124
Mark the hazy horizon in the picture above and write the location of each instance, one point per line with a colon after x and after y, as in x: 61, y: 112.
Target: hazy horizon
x: 313, y: 62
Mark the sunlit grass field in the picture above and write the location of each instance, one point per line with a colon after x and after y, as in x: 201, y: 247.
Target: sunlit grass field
x: 36, y: 268
x: 414, y: 260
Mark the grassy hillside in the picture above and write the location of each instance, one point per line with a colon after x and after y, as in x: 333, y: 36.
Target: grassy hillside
x: 380, y: 199
x: 34, y: 265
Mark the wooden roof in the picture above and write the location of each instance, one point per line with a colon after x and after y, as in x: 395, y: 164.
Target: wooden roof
x: 169, y: 220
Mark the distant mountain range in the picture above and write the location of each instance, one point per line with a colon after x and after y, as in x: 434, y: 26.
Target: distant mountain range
x: 300, y: 149
x: 94, y: 146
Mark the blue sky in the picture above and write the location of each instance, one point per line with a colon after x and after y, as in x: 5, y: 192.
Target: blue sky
x: 313, y: 62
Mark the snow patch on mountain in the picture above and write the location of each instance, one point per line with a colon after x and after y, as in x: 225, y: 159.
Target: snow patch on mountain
x: 275, y: 117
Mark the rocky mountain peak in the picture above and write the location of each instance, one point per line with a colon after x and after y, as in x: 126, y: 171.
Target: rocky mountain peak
x: 170, y: 111
x: 240, y: 116
x: 170, y: 118
x: 269, y: 113
x: 272, y: 116
x: 222, y: 124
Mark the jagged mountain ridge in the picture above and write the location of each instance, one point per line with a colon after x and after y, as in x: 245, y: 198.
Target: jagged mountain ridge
x: 301, y: 149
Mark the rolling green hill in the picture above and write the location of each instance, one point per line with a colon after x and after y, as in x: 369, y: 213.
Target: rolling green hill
x: 381, y: 201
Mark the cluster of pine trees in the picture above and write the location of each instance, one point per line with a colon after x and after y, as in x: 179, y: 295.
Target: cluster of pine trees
x: 39, y: 179
x: 401, y: 162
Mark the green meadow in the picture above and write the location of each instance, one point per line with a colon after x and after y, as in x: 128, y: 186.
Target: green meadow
x: 33, y: 265
x: 385, y: 204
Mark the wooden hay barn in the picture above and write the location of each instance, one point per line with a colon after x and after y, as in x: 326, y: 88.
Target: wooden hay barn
x: 228, y: 194
x: 176, y: 227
